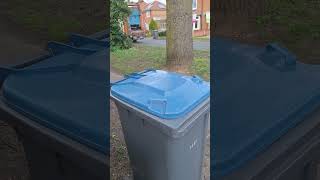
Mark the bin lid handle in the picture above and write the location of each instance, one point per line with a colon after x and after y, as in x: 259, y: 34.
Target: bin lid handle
x: 278, y: 57
x: 157, y: 105
x: 197, y: 79
x: 135, y: 75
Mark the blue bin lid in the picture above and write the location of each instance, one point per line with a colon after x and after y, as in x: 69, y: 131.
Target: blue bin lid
x: 259, y: 94
x: 164, y: 94
x: 72, y: 101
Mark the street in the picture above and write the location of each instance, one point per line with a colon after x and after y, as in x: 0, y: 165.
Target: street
x: 197, y: 45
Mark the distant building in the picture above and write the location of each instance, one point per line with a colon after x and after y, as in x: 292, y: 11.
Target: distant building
x: 156, y: 11
x: 201, y: 17
x: 142, y: 14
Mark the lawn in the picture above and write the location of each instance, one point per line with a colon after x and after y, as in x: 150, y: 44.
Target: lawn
x: 52, y: 19
x: 141, y: 57
x: 199, y: 38
x: 296, y: 24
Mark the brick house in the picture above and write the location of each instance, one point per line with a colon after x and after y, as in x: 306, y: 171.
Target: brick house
x: 156, y: 11
x: 201, y: 17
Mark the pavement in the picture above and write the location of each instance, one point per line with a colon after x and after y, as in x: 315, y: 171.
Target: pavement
x: 197, y: 45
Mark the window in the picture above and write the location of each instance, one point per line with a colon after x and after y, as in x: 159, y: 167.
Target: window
x: 148, y: 13
x: 196, y: 23
x: 156, y: 18
x: 194, y: 4
x: 163, y: 26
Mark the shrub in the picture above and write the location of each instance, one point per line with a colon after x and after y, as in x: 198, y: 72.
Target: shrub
x: 119, y: 12
x: 153, y: 25
x: 163, y: 33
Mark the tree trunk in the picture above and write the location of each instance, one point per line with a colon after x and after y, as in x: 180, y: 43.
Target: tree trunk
x: 179, y: 35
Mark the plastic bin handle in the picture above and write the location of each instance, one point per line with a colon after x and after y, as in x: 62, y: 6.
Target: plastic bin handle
x: 135, y: 75
x: 138, y: 75
x: 58, y: 48
x: 197, y: 79
x: 79, y: 40
x: 288, y: 58
x: 158, y: 105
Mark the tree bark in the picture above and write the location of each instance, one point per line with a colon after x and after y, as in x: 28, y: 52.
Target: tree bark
x: 179, y: 35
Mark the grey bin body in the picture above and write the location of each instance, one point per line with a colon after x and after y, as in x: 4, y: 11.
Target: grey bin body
x: 161, y: 149
x: 155, y: 34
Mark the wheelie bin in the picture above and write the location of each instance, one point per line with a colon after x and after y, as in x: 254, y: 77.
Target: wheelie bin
x: 164, y: 116
x: 58, y: 106
x: 266, y: 113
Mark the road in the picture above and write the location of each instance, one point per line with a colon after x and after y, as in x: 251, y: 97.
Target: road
x: 197, y: 45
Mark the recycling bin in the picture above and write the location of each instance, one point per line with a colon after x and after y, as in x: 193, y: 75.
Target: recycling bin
x: 266, y: 114
x: 155, y: 34
x: 57, y: 105
x: 164, y: 116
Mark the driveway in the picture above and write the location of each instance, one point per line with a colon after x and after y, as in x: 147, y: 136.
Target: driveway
x: 197, y: 45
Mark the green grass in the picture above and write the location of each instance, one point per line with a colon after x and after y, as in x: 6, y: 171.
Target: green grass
x: 46, y: 18
x: 294, y: 23
x: 35, y: 17
x: 300, y: 19
x: 200, y: 38
x: 141, y: 57
x: 163, y: 37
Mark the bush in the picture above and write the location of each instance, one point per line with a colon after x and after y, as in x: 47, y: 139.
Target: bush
x: 153, y: 25
x: 119, y: 12
x: 163, y: 33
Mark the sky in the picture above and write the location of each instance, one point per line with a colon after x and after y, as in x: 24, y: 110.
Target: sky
x: 148, y: 1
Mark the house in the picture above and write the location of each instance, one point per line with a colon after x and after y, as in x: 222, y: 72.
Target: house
x: 156, y: 11
x: 201, y: 17
x: 143, y: 13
